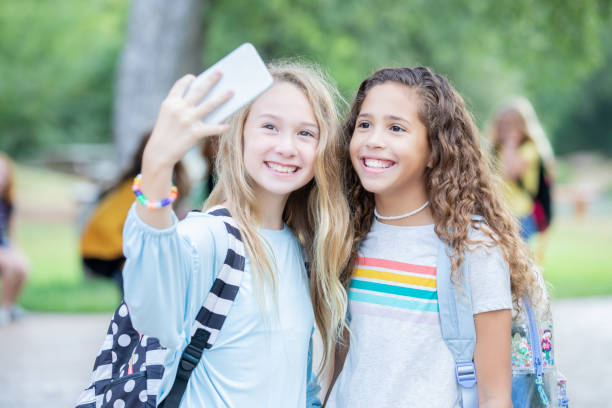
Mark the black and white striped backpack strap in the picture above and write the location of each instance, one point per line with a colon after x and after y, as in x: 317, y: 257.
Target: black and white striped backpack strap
x: 217, y: 305
x: 225, y: 287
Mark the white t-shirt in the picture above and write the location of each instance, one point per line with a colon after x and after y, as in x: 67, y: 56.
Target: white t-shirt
x: 397, y: 357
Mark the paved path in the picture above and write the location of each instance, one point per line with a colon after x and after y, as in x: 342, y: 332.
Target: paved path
x: 45, y: 360
x: 584, y: 349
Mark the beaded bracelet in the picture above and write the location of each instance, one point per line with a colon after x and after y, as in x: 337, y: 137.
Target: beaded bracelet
x: 152, y: 205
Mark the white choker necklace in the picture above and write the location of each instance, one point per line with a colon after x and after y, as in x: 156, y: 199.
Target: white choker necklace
x: 397, y: 217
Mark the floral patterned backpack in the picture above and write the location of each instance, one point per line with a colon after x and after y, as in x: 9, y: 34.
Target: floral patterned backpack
x: 536, y: 382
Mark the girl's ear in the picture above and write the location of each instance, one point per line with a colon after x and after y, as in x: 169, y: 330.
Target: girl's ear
x: 430, y: 153
x: 429, y: 164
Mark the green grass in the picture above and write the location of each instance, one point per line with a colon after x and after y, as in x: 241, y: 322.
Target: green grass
x: 43, y: 187
x: 57, y: 282
x: 48, y: 236
x: 82, y: 296
x: 578, y: 260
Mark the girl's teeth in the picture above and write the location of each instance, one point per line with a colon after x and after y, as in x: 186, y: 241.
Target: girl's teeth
x: 282, y: 169
x: 379, y: 164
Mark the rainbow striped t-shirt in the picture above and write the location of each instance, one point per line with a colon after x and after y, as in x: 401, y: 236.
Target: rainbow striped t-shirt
x: 397, y: 357
x: 394, y: 289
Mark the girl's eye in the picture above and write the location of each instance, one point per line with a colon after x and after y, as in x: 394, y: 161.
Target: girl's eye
x: 269, y: 127
x: 305, y: 133
x: 364, y: 125
x: 396, y: 128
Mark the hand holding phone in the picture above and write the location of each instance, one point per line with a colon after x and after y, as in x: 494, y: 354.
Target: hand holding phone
x: 179, y: 124
x: 193, y: 110
x: 195, y: 107
x: 244, y: 73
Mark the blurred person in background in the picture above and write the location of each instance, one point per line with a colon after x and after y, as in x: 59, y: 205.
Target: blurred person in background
x: 527, y: 164
x: 14, y: 266
x: 101, y: 239
x: 203, y: 173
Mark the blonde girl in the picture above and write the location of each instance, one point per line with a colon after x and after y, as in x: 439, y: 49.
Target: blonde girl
x: 520, y: 146
x: 417, y: 176
x: 278, y: 169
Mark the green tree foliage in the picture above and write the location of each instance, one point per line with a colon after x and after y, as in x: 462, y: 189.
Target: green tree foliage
x: 489, y: 50
x: 57, y: 60
x: 56, y: 75
x: 586, y: 123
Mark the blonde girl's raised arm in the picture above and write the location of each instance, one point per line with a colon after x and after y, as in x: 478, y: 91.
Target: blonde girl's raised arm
x: 492, y: 358
x: 178, y: 128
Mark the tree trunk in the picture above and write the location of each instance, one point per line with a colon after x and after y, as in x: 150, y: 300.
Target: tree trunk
x: 164, y: 41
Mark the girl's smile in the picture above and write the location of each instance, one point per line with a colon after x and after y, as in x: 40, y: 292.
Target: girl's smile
x: 280, y: 141
x: 281, y: 169
x: 376, y: 165
x: 389, y: 148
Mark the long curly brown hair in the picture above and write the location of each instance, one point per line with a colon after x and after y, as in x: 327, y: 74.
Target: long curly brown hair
x: 459, y: 183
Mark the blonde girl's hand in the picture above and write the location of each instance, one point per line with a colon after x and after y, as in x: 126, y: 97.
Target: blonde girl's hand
x: 179, y: 127
x: 179, y: 124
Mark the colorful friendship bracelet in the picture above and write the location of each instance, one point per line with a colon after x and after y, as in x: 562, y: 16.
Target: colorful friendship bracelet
x: 152, y: 205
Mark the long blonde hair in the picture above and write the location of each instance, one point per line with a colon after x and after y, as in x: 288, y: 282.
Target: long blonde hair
x: 533, y: 129
x: 317, y: 213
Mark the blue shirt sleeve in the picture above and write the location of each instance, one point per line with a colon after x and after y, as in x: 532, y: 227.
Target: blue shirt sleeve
x: 312, y: 386
x: 166, y: 276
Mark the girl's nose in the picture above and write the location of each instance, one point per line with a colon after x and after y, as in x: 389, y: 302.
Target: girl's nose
x: 375, y: 139
x: 286, y: 145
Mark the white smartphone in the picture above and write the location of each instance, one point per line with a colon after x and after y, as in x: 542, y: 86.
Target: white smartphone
x: 244, y: 73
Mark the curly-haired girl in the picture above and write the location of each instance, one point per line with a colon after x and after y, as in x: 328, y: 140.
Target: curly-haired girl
x: 419, y: 177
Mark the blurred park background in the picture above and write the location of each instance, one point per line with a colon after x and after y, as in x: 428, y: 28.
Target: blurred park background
x: 61, y: 68
x: 81, y: 80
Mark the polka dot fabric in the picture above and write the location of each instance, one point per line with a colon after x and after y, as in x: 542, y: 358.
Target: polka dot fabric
x: 129, y: 368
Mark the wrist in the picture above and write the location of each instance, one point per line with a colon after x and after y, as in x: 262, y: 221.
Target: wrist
x: 156, y: 162
x: 148, y: 203
x: 156, y: 169
x: 156, y: 179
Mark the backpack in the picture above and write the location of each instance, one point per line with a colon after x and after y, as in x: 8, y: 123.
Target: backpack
x: 128, y: 370
x: 542, y: 200
x: 535, y: 379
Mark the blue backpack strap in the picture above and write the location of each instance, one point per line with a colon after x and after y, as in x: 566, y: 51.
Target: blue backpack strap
x: 534, y: 333
x: 459, y: 333
x: 457, y: 324
x: 216, y: 307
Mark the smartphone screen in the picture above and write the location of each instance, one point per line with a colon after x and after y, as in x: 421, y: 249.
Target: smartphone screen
x: 244, y: 73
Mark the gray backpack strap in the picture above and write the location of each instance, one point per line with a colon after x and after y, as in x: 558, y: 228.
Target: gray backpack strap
x: 216, y: 307
x: 457, y: 324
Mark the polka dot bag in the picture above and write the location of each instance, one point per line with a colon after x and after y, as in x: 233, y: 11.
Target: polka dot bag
x: 129, y: 368
x: 126, y: 365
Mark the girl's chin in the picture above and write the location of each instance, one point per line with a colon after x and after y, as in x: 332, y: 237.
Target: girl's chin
x: 376, y: 188
x: 282, y: 190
